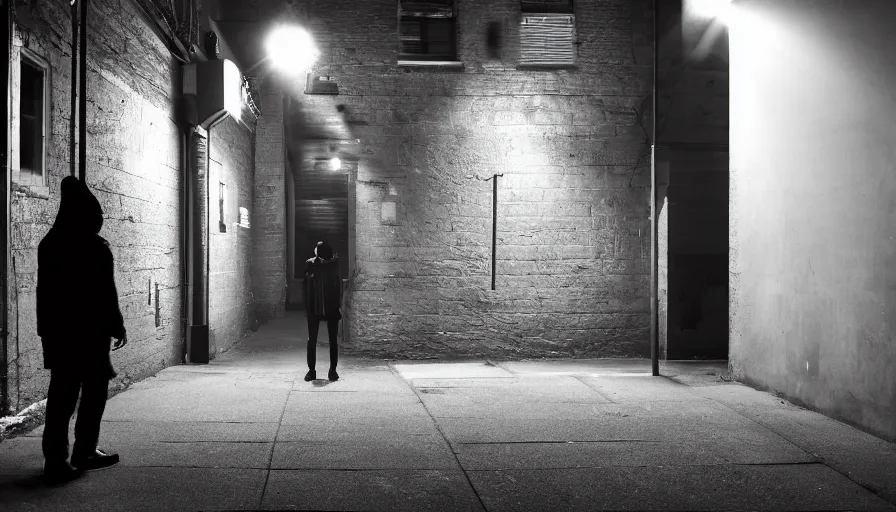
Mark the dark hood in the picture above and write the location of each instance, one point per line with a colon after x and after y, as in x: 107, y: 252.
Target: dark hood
x: 79, y: 210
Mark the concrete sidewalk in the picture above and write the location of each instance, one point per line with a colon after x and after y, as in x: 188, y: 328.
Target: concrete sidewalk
x: 247, y: 433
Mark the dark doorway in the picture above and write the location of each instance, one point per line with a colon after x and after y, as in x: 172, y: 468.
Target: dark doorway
x: 321, y: 206
x: 698, y: 256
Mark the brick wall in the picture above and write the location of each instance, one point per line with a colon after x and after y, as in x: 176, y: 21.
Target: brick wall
x: 231, y: 145
x: 573, y: 228
x: 269, y: 200
x: 133, y: 168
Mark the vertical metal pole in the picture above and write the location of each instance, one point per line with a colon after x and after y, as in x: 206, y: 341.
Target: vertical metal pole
x: 73, y: 121
x: 654, y: 224
x: 4, y: 254
x: 82, y: 135
x: 494, y: 226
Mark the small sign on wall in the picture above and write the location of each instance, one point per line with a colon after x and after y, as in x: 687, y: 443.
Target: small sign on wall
x: 389, y: 212
x: 321, y: 85
x: 244, y: 217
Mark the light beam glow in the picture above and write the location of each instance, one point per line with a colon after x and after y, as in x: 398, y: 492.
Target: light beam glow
x: 710, y: 9
x: 335, y: 164
x: 233, y: 89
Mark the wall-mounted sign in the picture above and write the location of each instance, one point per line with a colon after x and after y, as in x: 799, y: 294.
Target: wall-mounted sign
x: 321, y: 85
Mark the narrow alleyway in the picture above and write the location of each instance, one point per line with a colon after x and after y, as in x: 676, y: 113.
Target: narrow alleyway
x: 246, y: 432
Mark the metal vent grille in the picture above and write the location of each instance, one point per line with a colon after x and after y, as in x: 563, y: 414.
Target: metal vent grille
x: 547, y: 40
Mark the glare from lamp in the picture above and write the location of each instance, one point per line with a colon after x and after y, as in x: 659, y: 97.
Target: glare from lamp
x: 233, y: 89
x: 291, y: 49
x: 335, y: 163
x: 709, y: 8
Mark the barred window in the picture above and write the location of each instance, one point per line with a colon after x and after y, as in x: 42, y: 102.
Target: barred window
x: 427, y: 30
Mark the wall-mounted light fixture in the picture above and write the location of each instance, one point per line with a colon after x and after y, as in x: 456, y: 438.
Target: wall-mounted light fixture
x: 291, y: 49
x: 212, y: 89
x: 335, y: 163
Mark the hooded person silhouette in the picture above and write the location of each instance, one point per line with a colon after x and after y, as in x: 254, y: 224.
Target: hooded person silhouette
x: 323, y: 298
x: 77, y: 317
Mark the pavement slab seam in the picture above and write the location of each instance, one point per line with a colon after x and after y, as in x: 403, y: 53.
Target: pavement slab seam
x: 274, y: 444
x: 820, y: 460
x: 585, y: 382
x: 439, y: 429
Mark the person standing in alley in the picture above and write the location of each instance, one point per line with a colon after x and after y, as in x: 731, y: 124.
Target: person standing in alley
x: 323, y: 298
x: 77, y: 317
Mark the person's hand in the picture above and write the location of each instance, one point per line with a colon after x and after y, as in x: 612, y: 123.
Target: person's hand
x: 120, y: 342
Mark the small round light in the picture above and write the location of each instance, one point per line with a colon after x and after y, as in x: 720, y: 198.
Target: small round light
x: 335, y: 163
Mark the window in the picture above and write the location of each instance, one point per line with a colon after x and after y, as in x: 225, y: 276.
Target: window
x: 244, y: 217
x: 427, y: 31
x: 32, y: 121
x: 222, y: 220
x: 547, y: 33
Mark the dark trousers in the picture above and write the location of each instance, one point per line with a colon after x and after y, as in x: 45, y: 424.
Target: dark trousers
x: 332, y: 331
x: 61, y: 399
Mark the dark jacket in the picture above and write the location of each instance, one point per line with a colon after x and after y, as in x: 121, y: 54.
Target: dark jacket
x: 77, y: 302
x: 323, y: 288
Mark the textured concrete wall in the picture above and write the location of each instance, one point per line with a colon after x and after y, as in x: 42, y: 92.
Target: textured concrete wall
x: 573, y: 228
x: 269, y: 200
x: 133, y: 168
x: 231, y: 146
x: 813, y: 205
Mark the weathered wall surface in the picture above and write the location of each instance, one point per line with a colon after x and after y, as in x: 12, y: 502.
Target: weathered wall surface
x: 813, y: 206
x: 232, y: 162
x: 573, y: 228
x: 269, y: 199
x: 133, y: 168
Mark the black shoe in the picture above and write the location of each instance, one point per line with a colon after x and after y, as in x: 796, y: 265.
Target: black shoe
x: 332, y: 375
x: 311, y: 375
x: 97, y: 460
x: 60, y: 472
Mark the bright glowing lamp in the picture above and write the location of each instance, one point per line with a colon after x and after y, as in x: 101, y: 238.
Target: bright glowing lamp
x: 291, y: 49
x: 709, y: 8
x: 335, y: 163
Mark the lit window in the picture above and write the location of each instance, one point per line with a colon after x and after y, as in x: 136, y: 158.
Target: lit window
x: 32, y: 121
x: 427, y: 30
x: 547, y: 33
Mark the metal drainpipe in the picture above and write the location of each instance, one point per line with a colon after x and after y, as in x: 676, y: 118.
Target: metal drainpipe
x: 73, y: 119
x: 185, y: 243
x: 82, y: 135
x: 4, y: 254
x: 198, y: 338
x: 654, y: 210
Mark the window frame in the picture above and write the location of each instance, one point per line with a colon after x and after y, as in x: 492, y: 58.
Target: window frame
x: 428, y: 59
x: 26, y: 56
x: 542, y: 7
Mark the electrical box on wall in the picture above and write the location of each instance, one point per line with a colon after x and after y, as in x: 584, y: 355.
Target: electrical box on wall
x: 212, y: 88
x: 321, y: 85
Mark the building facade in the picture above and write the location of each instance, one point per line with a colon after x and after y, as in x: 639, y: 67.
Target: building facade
x: 439, y: 100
